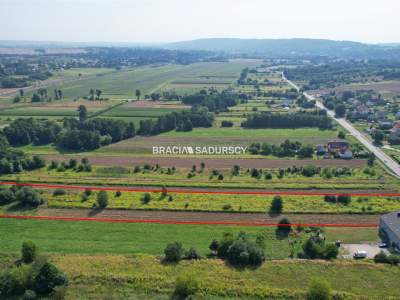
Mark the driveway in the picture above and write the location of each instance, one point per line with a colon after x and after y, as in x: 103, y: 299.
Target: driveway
x: 372, y: 249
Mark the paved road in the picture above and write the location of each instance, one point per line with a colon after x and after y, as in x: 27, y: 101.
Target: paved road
x: 382, y: 156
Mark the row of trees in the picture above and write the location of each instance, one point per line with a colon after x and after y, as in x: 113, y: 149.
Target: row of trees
x: 285, y: 149
x: 292, y: 120
x: 185, y: 120
x: 215, y: 102
x: 15, y: 161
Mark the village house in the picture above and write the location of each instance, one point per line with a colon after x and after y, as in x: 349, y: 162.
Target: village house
x: 389, y: 229
x: 337, y: 145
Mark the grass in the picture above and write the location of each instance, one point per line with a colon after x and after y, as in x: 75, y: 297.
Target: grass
x: 82, y: 237
x: 281, y: 134
x: 122, y: 84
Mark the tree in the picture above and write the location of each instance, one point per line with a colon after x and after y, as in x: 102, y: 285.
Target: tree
x: 102, y: 199
x: 28, y: 252
x: 28, y: 196
x: 371, y: 159
x: 98, y: 94
x: 306, y: 151
x: 82, y: 113
x: 284, y: 227
x: 186, y: 286
x: 137, y: 93
x: 344, y: 199
x: 276, y: 205
x: 214, y: 246
x: 378, y: 137
x: 319, y: 290
x: 340, y: 110
x: 48, y: 278
x: 146, y: 198
x: 193, y: 254
x: 341, y: 135
x: 173, y: 252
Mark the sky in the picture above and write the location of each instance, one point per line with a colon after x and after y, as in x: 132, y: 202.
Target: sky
x: 154, y: 21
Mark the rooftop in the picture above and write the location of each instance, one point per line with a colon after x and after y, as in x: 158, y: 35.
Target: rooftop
x: 393, y: 221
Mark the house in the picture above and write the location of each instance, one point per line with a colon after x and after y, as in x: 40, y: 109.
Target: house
x: 385, y: 124
x: 345, y: 154
x: 337, y: 145
x: 396, y: 128
x: 398, y: 115
x: 360, y: 112
x: 380, y: 115
x: 389, y: 229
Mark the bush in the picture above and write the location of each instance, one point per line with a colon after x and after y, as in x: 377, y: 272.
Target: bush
x: 28, y: 251
x: 173, y: 252
x: 193, y: 254
x: 118, y: 194
x: 319, y: 290
x: 102, y: 199
x: 28, y: 196
x: 344, y: 199
x: 186, y: 286
x: 284, y: 227
x: 29, y: 295
x: 48, y: 278
x: 87, y: 192
x: 146, y: 198
x: 59, y: 192
x: 6, y: 196
x: 330, y: 199
x: 225, y: 123
x: 276, y: 205
x: 244, y: 252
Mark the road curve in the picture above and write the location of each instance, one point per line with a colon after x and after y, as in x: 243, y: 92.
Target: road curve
x: 390, y: 163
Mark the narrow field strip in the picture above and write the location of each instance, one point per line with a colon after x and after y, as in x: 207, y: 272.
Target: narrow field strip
x: 259, y: 224
x: 195, y: 191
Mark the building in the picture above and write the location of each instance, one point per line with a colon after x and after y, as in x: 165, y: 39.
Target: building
x: 389, y: 229
x: 346, y: 154
x: 337, y: 145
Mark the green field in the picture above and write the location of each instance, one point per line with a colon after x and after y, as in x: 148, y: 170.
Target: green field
x: 86, y: 237
x: 122, y: 84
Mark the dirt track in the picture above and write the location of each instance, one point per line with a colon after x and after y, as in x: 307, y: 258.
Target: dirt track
x: 180, y: 216
x: 218, y: 163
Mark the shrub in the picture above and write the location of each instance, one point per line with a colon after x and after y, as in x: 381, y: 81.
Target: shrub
x: 193, y: 254
x: 146, y: 198
x: 243, y: 252
x: 319, y: 290
x: 214, y: 246
x: 225, y: 123
x: 59, y: 192
x: 186, y: 286
x: 173, y: 252
x: 118, y: 194
x: 102, y: 199
x: 29, y: 295
x: 87, y: 192
x: 344, y: 199
x: 6, y: 196
x: 284, y: 227
x: 268, y: 176
x: 276, y: 205
x: 28, y: 196
x: 28, y: 251
x: 330, y: 198
x: 48, y: 278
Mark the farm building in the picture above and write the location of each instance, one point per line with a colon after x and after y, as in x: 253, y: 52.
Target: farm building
x: 389, y: 228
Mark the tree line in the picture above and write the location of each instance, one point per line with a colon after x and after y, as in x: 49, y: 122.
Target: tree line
x: 214, y: 101
x: 291, y: 120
